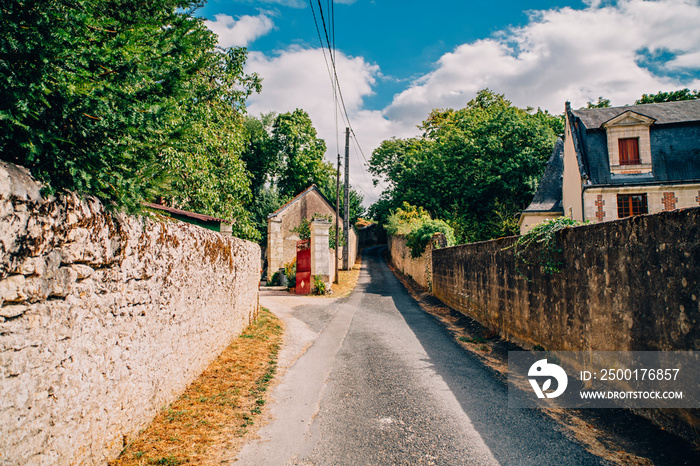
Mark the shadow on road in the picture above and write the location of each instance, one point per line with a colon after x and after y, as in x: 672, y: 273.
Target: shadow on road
x: 482, y: 394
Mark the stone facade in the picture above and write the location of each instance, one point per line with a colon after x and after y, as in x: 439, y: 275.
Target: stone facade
x: 105, y: 319
x: 282, y: 241
x: 600, y: 204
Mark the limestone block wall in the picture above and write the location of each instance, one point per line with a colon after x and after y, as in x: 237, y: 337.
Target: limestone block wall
x: 104, y: 319
x: 404, y: 263
x: 420, y: 268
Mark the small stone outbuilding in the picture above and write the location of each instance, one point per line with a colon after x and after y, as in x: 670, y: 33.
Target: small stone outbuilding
x: 282, y: 241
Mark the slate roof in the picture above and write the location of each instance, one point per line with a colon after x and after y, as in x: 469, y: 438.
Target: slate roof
x: 548, y: 197
x: 664, y: 113
x: 674, y: 137
x: 184, y: 213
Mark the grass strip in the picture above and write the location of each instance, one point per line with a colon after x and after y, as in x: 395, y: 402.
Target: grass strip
x: 217, y: 410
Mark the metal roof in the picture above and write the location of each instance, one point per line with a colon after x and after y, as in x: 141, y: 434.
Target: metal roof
x: 184, y: 213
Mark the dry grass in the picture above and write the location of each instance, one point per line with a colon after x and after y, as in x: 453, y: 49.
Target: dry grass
x: 347, y: 279
x: 218, y: 409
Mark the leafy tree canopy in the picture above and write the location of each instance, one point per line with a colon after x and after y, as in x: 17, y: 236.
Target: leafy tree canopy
x: 682, y: 94
x: 475, y: 168
x: 124, y: 100
x: 602, y: 103
x: 285, y: 156
x: 260, y: 156
x: 357, y: 210
x: 301, y: 154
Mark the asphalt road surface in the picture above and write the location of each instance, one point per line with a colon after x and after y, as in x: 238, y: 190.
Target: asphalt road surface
x: 373, y: 380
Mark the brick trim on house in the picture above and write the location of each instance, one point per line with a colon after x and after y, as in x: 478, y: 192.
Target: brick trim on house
x: 600, y: 213
x: 669, y: 200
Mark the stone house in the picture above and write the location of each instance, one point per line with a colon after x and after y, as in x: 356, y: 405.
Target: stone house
x: 621, y: 161
x: 282, y: 241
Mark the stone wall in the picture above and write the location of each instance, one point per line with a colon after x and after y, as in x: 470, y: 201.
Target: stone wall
x: 626, y: 285
x: 630, y: 284
x: 419, y: 268
x: 404, y: 263
x: 104, y: 319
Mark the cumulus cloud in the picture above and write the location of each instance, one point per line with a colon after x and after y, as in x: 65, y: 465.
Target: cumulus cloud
x: 618, y: 50
x: 298, y: 78
x: 567, y: 54
x: 242, y: 31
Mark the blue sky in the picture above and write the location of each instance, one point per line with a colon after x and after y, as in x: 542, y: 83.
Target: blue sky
x: 397, y: 60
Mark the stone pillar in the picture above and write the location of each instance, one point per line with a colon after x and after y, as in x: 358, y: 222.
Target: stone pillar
x: 321, y: 263
x: 275, y: 246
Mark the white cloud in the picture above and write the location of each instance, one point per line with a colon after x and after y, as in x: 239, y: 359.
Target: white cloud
x: 242, y: 31
x: 562, y: 54
x: 298, y: 78
x: 566, y: 54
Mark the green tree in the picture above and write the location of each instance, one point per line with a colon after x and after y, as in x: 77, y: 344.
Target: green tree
x: 416, y: 225
x: 681, y: 94
x: 259, y: 154
x: 301, y: 154
x: 266, y: 200
x: 121, y: 99
x: 475, y: 168
x: 602, y: 103
x: 357, y: 210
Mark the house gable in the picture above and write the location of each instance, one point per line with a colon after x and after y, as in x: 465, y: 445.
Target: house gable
x: 629, y: 144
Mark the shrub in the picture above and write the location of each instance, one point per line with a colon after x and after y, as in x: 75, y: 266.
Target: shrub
x: 548, y: 255
x: 405, y: 219
x: 275, y: 279
x: 416, y: 225
x: 417, y: 240
x: 319, y: 285
x: 290, y: 270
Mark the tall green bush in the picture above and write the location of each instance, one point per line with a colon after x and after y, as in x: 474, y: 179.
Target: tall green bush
x: 123, y: 100
x: 416, y: 225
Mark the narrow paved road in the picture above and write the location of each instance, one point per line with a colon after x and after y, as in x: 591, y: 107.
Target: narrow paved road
x: 374, y: 380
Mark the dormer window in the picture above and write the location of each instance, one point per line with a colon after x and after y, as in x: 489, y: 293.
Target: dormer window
x: 629, y: 146
x: 629, y: 151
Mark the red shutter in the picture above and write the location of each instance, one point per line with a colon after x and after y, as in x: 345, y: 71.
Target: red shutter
x: 629, y: 151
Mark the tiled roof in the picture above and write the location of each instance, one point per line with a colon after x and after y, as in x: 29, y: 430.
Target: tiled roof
x: 663, y: 113
x: 184, y: 213
x: 548, y: 197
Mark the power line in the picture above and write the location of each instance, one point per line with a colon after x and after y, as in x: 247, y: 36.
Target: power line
x: 334, y: 74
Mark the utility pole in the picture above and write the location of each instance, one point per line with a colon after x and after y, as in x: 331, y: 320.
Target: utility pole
x: 337, y: 216
x: 346, y: 220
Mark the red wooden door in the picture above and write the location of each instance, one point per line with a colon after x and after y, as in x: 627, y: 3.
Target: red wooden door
x: 303, y: 278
